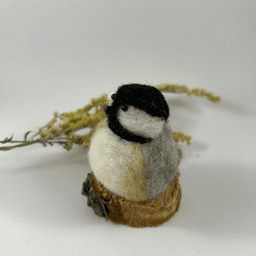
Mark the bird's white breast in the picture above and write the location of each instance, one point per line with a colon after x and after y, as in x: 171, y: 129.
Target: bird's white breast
x: 118, y: 164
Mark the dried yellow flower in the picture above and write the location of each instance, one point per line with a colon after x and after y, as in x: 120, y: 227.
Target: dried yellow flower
x: 80, y: 119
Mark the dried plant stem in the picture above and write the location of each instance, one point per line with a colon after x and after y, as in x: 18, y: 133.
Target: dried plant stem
x: 55, y: 132
x: 50, y: 141
x: 20, y: 145
x: 58, y: 116
x: 175, y: 88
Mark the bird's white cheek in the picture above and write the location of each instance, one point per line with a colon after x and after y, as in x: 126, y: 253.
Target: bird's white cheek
x: 140, y: 123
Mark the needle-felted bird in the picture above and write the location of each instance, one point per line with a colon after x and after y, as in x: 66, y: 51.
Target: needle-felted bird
x: 134, y: 160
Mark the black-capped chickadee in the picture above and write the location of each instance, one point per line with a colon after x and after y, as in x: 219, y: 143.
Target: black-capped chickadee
x: 132, y: 152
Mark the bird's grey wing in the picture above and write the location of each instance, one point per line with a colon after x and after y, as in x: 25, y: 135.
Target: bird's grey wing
x: 162, y: 158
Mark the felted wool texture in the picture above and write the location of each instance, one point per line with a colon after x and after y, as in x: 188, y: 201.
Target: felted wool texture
x: 118, y: 164
x: 162, y: 157
x: 137, y: 172
x: 133, y: 103
x: 150, y: 213
x: 139, y: 122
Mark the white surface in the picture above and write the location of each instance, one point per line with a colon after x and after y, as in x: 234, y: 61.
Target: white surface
x: 57, y: 55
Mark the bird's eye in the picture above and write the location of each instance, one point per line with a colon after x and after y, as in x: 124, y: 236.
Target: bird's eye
x: 113, y: 96
x: 124, y: 107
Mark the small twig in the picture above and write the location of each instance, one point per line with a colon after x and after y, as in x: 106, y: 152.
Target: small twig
x: 21, y: 141
x: 20, y: 145
x: 43, y: 128
x: 26, y: 143
x: 49, y: 134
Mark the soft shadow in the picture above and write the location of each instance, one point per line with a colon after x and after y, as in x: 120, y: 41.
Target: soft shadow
x: 51, y: 159
x: 183, y: 102
x: 195, y: 104
x: 48, y: 192
x: 217, y: 200
x: 180, y: 119
x: 234, y: 107
x: 199, y: 146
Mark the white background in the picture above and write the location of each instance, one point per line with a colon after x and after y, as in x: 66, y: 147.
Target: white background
x: 55, y: 55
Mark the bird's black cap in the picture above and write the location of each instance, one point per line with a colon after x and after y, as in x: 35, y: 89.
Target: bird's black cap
x: 144, y: 97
